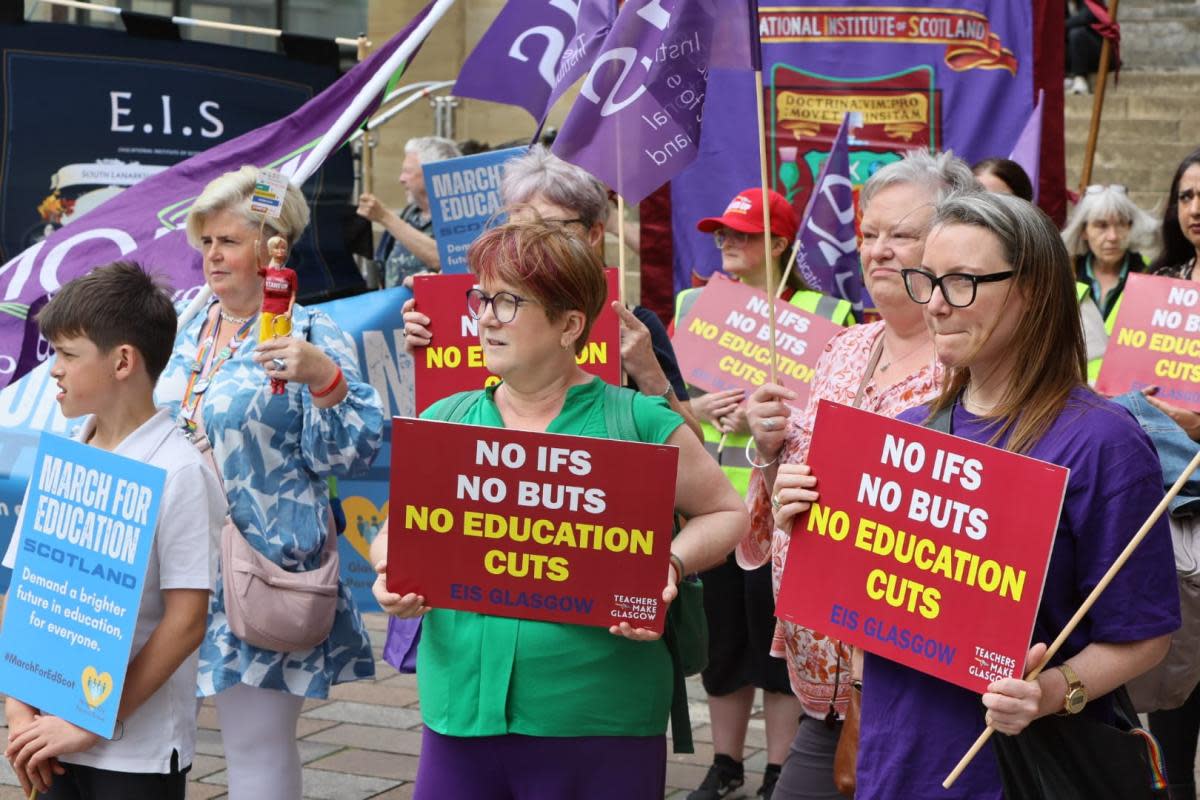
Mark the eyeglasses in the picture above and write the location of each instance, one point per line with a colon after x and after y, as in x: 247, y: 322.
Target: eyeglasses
x: 504, y: 304
x: 1097, y: 188
x: 958, y: 288
x: 735, y: 238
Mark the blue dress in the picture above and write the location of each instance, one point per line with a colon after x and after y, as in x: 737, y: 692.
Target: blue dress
x: 275, y: 453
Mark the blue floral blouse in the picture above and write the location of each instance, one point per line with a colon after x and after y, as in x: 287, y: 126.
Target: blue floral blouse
x: 275, y: 452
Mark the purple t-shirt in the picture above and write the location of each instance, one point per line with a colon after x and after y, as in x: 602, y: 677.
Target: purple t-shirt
x: 915, y: 728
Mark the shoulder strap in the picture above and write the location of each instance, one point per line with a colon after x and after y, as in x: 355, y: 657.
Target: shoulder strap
x: 941, y: 421
x: 618, y: 413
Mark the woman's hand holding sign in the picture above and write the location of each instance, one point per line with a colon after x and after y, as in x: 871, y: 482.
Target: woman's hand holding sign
x: 416, y: 327
x: 767, y: 412
x: 1013, y: 703
x: 793, y: 493
x: 404, y: 606
x: 34, y: 751
x: 670, y: 592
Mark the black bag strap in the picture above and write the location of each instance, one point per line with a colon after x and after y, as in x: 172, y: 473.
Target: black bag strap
x: 942, y: 420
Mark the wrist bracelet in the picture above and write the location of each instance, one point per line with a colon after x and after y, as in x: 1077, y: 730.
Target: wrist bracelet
x: 332, y: 385
x: 677, y: 562
x: 118, y: 732
x: 666, y: 393
x: 750, y: 460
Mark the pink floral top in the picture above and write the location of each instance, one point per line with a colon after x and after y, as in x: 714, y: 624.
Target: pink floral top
x: 816, y: 663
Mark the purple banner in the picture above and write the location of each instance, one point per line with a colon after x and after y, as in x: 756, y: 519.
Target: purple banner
x: 535, y: 51
x: 828, y: 245
x: 937, y: 74
x: 636, y: 122
x: 145, y: 222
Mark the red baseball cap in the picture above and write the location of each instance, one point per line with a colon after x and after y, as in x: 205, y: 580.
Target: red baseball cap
x: 745, y: 214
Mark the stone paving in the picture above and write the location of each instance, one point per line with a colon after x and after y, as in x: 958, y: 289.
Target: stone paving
x: 363, y: 742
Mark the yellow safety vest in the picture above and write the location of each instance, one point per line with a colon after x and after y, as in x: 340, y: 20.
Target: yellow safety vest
x: 1083, y: 291
x: 732, y: 457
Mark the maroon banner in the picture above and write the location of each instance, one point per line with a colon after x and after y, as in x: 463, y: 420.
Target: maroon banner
x: 454, y: 361
x: 722, y: 342
x: 916, y: 550
x: 1155, y: 341
x: 531, y: 525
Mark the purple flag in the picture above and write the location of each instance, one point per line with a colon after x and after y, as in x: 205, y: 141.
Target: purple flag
x: 828, y: 244
x: 534, y: 52
x: 145, y: 222
x: 636, y: 122
x: 1028, y: 150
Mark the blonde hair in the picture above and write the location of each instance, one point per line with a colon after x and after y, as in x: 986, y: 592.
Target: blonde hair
x: 231, y: 192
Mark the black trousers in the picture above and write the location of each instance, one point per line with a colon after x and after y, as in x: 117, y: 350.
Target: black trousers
x: 1176, y: 731
x: 90, y: 783
x: 1083, y: 51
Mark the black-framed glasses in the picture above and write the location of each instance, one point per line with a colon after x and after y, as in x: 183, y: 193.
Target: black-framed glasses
x: 958, y: 288
x: 504, y: 304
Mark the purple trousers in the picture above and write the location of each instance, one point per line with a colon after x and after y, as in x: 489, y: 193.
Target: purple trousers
x: 514, y: 767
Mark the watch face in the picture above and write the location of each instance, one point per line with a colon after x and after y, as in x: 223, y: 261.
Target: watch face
x: 1076, y: 700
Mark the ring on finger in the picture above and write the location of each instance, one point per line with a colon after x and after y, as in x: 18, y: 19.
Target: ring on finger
x: 768, y: 424
x: 278, y: 364
x: 776, y: 503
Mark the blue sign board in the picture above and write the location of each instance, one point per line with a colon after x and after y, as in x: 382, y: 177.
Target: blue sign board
x: 464, y: 200
x: 87, y: 529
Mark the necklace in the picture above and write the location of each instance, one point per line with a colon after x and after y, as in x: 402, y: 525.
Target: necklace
x: 232, y: 320
x: 884, y: 366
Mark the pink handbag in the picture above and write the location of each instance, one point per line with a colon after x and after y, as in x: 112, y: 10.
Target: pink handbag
x: 266, y: 605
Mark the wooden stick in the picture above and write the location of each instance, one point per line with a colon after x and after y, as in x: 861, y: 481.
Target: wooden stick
x: 766, y: 212
x: 190, y: 22
x: 1085, y: 608
x: 1085, y: 177
x: 787, y: 271
x: 623, y: 293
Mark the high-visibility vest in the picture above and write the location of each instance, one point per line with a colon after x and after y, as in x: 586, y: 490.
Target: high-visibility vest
x: 732, y: 457
x: 1083, y: 292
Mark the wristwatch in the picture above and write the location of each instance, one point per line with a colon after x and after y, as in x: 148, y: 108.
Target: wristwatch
x: 1077, y: 696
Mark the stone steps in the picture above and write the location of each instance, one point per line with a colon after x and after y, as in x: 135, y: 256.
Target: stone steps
x: 1151, y: 120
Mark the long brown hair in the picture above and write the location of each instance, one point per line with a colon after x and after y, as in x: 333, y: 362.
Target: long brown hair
x: 1048, y: 340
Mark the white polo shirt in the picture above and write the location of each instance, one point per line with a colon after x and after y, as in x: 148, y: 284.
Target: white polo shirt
x: 186, y: 547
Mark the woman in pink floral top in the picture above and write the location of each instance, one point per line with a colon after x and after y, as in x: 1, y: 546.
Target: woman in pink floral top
x: 892, y: 363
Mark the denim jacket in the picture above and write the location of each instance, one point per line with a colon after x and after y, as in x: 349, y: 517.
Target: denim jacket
x: 1175, y: 450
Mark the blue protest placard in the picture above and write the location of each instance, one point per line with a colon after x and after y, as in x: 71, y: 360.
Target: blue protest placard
x: 464, y: 196
x: 86, y: 532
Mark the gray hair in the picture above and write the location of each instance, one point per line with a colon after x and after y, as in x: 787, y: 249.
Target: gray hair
x: 231, y: 192
x: 943, y: 174
x: 541, y: 173
x: 1026, y: 235
x: 432, y: 148
x: 1110, y: 203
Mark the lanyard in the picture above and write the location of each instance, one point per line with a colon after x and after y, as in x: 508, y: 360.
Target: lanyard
x: 205, y: 367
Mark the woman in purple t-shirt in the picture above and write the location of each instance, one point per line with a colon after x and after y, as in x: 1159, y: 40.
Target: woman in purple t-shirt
x: 999, y: 300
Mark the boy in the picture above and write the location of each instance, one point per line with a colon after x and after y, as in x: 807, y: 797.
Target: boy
x: 112, y: 331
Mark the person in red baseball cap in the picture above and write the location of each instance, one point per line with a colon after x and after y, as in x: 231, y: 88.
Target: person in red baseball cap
x: 739, y: 604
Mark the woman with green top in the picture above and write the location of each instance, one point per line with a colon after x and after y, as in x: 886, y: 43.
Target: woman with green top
x: 739, y: 604
x: 526, y: 710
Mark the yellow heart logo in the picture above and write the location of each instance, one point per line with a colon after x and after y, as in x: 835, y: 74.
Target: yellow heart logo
x: 363, y: 521
x: 97, y: 686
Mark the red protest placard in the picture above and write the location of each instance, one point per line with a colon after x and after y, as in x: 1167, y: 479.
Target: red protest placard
x: 1155, y: 341
x: 453, y: 361
x: 722, y: 341
x: 916, y: 550
x: 531, y: 525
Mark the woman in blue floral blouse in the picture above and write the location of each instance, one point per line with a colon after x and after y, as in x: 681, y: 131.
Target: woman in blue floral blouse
x: 274, y: 452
